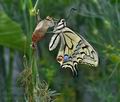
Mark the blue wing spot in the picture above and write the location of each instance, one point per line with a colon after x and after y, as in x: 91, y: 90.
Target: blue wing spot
x: 66, y: 58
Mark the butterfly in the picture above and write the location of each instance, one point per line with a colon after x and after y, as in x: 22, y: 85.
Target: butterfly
x: 41, y: 29
x: 73, y: 49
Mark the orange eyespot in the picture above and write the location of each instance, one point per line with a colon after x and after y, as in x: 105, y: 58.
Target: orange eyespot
x: 60, y: 58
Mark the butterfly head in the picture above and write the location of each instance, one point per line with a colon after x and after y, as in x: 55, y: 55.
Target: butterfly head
x: 62, y: 22
x: 60, y: 25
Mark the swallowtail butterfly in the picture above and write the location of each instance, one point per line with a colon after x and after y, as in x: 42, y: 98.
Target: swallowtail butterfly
x: 73, y: 49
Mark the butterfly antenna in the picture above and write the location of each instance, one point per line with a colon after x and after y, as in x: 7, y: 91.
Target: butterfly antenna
x: 71, y: 11
x: 56, y: 21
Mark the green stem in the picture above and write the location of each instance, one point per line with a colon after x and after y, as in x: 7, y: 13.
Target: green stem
x: 36, y: 4
x: 9, y: 79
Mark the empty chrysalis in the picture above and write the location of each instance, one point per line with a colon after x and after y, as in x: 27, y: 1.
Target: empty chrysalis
x: 41, y: 29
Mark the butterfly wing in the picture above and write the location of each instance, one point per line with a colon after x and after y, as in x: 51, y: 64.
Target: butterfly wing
x: 67, y: 47
x: 78, y: 50
x: 85, y: 53
x: 73, y: 49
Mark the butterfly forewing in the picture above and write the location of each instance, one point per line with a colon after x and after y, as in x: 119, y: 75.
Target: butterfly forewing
x: 54, y: 42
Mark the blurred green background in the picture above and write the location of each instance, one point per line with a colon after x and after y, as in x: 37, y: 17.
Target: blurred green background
x: 98, y: 21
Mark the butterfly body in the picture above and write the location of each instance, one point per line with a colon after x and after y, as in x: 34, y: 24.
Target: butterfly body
x: 74, y: 48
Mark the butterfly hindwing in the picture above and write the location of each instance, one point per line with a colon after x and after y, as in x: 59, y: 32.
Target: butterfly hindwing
x: 86, y: 52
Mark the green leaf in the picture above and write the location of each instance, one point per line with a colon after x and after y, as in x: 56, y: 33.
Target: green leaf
x: 11, y: 34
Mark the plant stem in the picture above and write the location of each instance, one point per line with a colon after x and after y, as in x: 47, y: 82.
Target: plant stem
x: 36, y: 4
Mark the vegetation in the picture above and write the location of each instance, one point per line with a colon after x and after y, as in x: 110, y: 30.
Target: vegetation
x: 28, y: 76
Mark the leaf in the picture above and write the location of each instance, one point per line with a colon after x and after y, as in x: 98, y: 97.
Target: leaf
x: 11, y: 34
